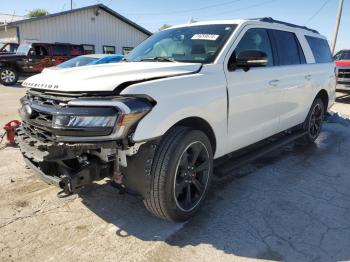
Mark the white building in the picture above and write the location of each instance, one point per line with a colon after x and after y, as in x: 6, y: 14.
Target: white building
x: 97, y: 27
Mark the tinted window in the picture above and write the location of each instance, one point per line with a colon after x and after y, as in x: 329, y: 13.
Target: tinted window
x: 342, y: 55
x: 320, y: 49
x: 10, y: 48
x: 287, y: 48
x: 40, y: 50
x: 60, y: 50
x: 256, y: 39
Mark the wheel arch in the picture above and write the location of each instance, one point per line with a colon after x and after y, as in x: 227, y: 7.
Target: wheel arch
x: 323, y: 95
x: 7, y: 64
x: 199, y: 124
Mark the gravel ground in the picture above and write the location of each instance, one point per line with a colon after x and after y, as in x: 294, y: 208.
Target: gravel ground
x: 291, y: 205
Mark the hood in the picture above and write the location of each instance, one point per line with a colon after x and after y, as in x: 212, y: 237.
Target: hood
x: 10, y: 57
x: 106, y: 77
x: 342, y: 63
x: 6, y: 53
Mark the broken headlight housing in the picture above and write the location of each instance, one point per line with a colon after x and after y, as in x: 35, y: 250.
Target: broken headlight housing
x: 92, y: 117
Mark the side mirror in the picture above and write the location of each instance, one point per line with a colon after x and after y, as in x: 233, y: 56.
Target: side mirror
x: 251, y: 58
x: 31, y: 52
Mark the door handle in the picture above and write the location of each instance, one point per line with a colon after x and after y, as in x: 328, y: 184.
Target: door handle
x: 308, y: 77
x: 274, y: 82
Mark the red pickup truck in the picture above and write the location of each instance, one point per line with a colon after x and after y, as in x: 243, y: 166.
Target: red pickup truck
x: 342, y: 61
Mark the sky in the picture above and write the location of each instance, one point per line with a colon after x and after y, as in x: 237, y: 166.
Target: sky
x: 316, y: 14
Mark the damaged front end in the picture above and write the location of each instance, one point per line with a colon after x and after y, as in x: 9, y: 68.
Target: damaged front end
x: 73, y: 140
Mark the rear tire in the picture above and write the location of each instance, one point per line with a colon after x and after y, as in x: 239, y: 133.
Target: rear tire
x: 313, y: 122
x: 181, y: 174
x: 8, y: 76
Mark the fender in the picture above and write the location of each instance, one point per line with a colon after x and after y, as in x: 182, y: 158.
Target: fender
x: 200, y: 95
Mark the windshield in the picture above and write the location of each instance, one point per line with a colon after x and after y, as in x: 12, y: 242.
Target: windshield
x: 23, y: 49
x: 77, y: 61
x: 194, y: 44
x: 343, y: 55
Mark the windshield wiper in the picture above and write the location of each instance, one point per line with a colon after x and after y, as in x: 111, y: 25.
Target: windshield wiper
x: 158, y: 59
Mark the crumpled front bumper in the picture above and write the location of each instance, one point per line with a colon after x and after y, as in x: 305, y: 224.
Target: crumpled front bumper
x: 68, y: 166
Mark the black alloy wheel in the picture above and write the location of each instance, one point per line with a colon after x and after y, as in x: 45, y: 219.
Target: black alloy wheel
x: 313, y: 123
x: 180, y: 175
x: 316, y: 120
x: 192, y: 176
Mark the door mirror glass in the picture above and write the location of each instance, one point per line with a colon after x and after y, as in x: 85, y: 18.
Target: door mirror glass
x: 251, y: 58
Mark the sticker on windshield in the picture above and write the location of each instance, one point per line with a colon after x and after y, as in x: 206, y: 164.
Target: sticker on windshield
x: 208, y: 37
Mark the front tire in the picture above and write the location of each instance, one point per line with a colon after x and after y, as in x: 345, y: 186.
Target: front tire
x: 8, y: 76
x: 181, y: 174
x: 313, y: 122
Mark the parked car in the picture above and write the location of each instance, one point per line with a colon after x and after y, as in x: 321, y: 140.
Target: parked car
x: 342, y: 61
x: 184, y: 97
x: 8, y: 48
x: 32, y: 58
x: 85, y: 60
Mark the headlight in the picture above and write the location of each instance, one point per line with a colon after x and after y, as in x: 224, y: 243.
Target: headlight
x: 96, y: 118
x: 83, y: 121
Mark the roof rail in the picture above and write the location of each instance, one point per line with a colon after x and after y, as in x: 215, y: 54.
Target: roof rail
x: 271, y: 20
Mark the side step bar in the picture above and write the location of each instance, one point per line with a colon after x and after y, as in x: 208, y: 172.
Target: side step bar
x: 225, y: 167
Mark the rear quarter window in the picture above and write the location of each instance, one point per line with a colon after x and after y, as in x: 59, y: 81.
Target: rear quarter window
x: 320, y: 49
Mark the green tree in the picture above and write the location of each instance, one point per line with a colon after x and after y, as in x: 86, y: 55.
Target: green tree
x: 37, y: 12
x: 165, y: 26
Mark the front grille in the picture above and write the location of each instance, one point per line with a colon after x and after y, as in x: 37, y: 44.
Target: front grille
x: 38, y: 132
x: 39, y: 124
x: 39, y: 108
x: 343, y: 73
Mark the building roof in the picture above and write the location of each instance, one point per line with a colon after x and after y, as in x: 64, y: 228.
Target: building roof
x: 8, y: 18
x: 98, y: 6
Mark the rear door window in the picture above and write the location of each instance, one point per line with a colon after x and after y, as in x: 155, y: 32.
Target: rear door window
x: 289, y: 51
x: 40, y: 50
x: 60, y: 50
x: 320, y: 49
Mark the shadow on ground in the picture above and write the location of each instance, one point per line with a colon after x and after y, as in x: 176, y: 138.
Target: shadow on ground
x: 292, y: 205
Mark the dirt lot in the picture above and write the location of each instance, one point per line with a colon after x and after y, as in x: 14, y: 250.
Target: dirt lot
x: 291, y: 205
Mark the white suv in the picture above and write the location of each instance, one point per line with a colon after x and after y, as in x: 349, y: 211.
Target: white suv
x: 184, y: 97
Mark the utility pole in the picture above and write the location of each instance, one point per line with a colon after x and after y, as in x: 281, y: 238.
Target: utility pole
x: 71, y: 4
x: 340, y: 10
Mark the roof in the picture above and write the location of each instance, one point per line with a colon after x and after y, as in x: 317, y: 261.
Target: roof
x: 266, y: 20
x: 98, y: 6
x: 8, y: 18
